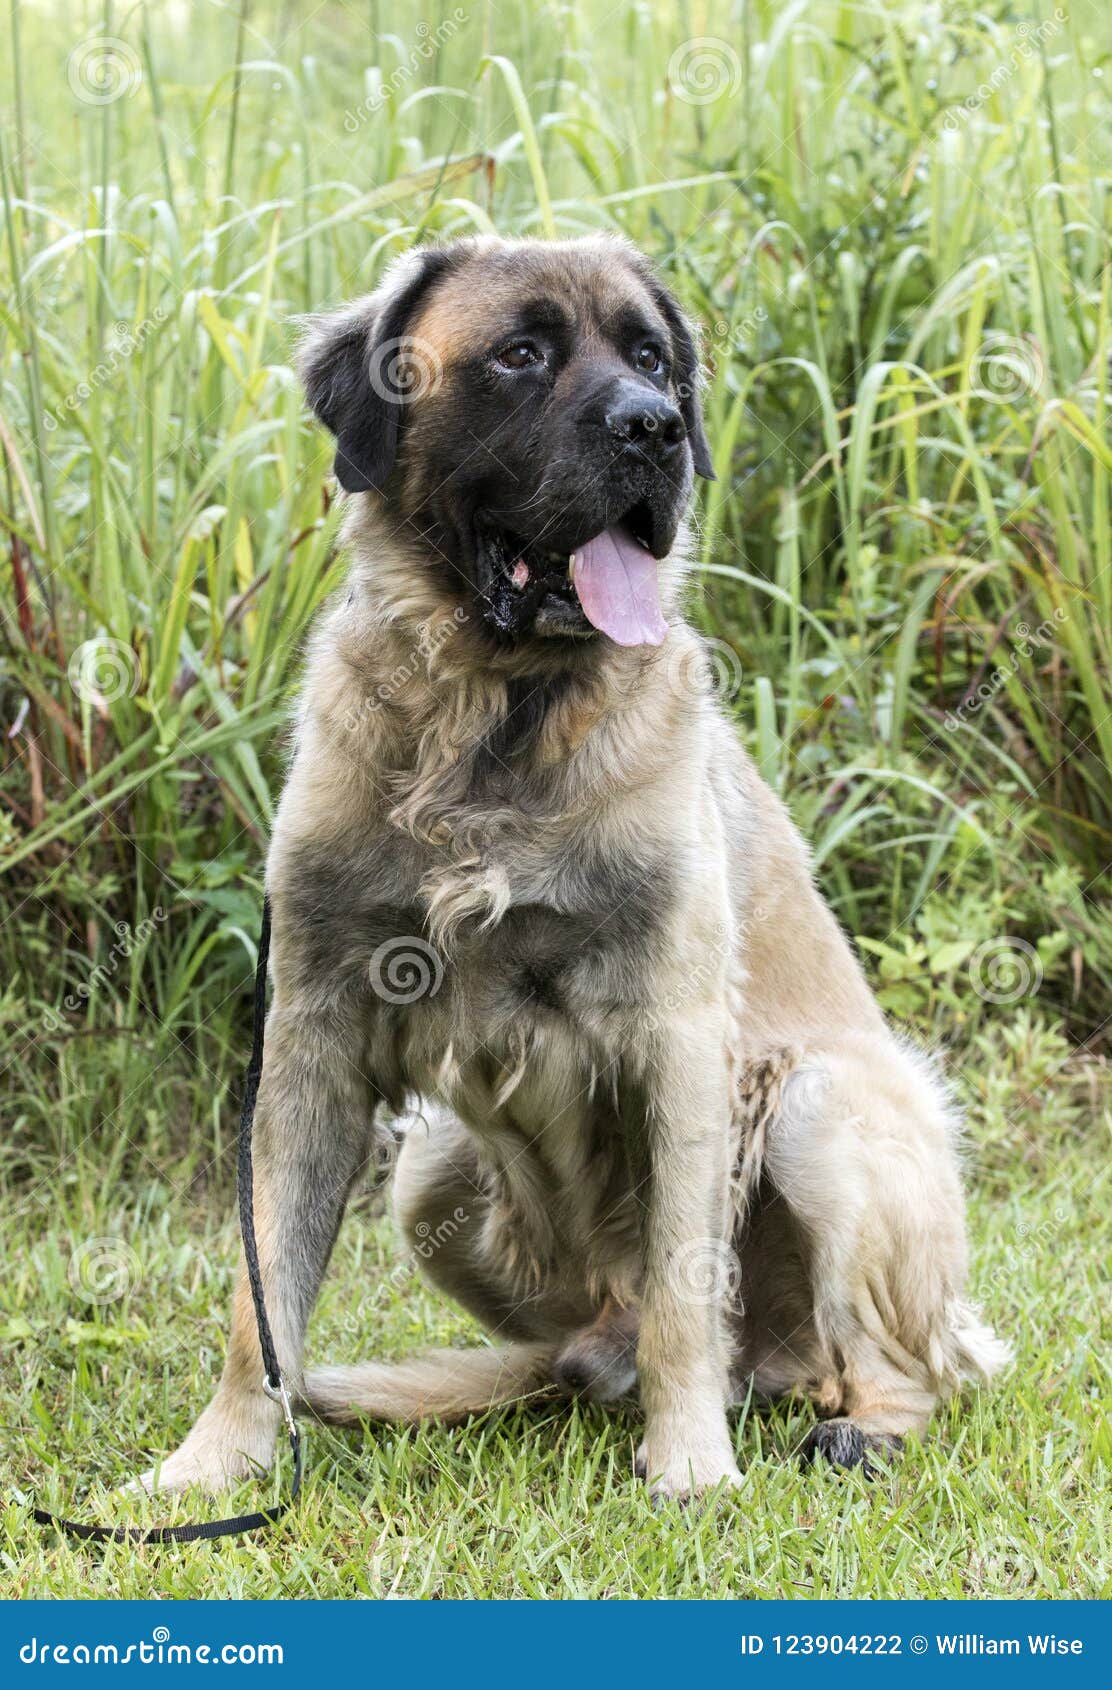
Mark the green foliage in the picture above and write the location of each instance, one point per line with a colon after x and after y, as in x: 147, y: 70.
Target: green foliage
x: 892, y: 225
x: 1009, y: 1497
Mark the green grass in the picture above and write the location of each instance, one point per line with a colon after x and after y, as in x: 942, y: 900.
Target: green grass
x: 893, y: 226
x: 1008, y: 1497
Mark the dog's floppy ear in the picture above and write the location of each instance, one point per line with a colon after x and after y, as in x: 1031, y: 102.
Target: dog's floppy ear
x: 685, y: 378
x: 360, y: 370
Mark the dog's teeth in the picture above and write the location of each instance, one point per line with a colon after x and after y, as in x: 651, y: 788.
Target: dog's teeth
x: 571, y: 567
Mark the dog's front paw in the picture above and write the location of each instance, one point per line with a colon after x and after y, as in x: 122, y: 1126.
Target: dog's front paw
x: 683, y: 1467
x: 218, y: 1453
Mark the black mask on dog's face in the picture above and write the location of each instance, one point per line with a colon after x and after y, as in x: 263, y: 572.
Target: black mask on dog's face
x: 533, y: 411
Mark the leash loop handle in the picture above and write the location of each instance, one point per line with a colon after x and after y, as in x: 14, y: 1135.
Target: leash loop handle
x: 273, y: 1383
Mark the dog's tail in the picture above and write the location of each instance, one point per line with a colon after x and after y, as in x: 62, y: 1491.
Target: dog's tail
x: 445, y: 1385
x: 979, y: 1352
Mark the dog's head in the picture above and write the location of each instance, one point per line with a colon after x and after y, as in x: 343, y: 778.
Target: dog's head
x: 530, y: 410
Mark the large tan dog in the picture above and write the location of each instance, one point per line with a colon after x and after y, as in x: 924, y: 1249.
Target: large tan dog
x: 523, y: 872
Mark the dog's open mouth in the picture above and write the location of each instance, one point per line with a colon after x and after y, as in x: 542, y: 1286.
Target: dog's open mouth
x: 608, y: 583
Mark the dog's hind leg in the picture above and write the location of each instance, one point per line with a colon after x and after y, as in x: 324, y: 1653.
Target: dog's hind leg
x: 442, y: 1206
x: 861, y: 1150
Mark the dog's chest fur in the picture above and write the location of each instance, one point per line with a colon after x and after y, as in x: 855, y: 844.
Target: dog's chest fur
x: 514, y: 986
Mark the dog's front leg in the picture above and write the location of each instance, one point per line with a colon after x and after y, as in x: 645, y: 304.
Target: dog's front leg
x: 681, y: 1361
x: 313, y: 1126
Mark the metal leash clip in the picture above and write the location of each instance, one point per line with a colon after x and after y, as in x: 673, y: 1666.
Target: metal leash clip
x: 278, y: 1393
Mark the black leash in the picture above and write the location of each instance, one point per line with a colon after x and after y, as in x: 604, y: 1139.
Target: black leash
x: 273, y: 1383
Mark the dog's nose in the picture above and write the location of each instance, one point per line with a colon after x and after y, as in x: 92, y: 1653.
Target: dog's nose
x: 646, y: 421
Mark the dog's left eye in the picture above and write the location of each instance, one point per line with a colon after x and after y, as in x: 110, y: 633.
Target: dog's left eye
x: 649, y: 359
x: 519, y: 355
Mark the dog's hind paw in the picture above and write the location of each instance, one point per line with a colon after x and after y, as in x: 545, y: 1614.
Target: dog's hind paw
x: 841, y: 1443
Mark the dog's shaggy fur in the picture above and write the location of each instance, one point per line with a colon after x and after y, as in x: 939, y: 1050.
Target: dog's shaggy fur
x: 528, y: 875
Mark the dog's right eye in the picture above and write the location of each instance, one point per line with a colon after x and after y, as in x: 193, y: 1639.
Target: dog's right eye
x: 519, y: 355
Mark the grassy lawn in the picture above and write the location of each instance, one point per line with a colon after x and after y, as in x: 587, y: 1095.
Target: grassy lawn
x: 892, y: 223
x: 117, y: 1343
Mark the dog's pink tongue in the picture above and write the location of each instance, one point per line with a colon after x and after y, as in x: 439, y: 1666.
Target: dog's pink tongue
x: 615, y: 580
